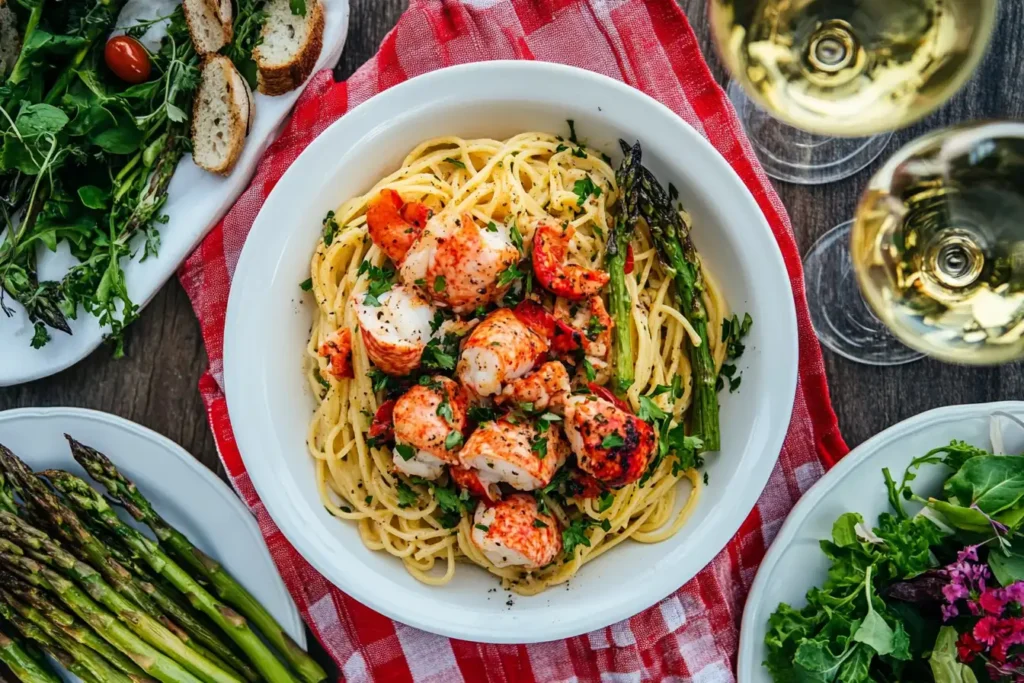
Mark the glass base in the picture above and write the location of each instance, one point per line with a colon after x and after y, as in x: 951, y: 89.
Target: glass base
x: 795, y: 156
x: 841, y: 317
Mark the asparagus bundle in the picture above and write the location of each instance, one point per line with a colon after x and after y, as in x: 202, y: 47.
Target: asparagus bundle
x: 671, y: 237
x: 120, y: 487
x: 135, y: 603
x: 24, y: 666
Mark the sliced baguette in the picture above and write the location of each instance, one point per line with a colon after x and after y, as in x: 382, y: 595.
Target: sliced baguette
x: 10, y: 39
x: 209, y: 24
x: 290, y: 46
x: 221, y: 116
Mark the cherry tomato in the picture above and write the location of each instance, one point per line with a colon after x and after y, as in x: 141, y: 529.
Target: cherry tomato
x: 126, y: 57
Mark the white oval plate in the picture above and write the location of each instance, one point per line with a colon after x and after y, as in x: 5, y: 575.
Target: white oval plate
x: 269, y: 319
x: 196, y: 200
x: 795, y: 563
x: 189, y: 496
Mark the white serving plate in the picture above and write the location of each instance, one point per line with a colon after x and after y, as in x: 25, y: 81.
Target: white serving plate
x: 196, y: 201
x: 186, y: 494
x: 795, y: 563
x: 269, y: 319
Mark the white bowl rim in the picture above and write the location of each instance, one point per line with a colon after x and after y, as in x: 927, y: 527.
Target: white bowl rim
x: 751, y: 632
x: 398, y: 603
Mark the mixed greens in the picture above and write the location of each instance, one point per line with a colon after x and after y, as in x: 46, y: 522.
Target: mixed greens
x: 934, y: 595
x: 86, y: 158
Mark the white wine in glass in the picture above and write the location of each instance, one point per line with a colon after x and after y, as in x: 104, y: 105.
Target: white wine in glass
x: 842, y: 68
x: 938, y: 244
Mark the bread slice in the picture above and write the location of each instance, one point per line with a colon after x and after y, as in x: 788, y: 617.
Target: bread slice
x: 209, y: 23
x: 10, y: 39
x: 290, y: 46
x: 221, y: 115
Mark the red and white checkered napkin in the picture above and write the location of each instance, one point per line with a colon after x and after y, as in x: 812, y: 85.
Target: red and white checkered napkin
x: 692, y: 634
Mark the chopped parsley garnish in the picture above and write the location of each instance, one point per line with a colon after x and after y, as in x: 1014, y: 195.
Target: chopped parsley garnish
x: 406, y: 496
x: 579, y: 153
x: 420, y: 282
x: 437, y: 320
x: 306, y: 285
x: 540, y: 446
x: 444, y: 410
x: 480, y: 312
x: 595, y: 327
x: 429, y: 382
x: 508, y: 275
x: 482, y: 527
x: 453, y: 440
x: 572, y: 131
x: 576, y: 533
x: 560, y: 148
x: 540, y: 524
x: 492, y: 226
x: 650, y: 411
x: 584, y: 188
x: 381, y: 281
x: 733, y: 332
x: 440, y: 354
x: 405, y: 451
x: 452, y: 505
x: 605, y: 501
x: 588, y: 368
x: 454, y: 162
x: 368, y: 500
x: 330, y: 228
x: 440, y: 283
x: 379, y: 380
x: 544, y: 422
x: 612, y: 441
x: 323, y: 382
x: 482, y: 414
x: 515, y: 236
x: 40, y: 337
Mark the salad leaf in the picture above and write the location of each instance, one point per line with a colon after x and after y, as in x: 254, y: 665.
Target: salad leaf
x: 993, y: 483
x: 944, y: 664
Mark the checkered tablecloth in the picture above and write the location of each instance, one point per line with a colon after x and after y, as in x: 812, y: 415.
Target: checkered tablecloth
x: 693, y: 633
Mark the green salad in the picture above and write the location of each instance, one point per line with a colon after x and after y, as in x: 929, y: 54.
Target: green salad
x: 933, y: 590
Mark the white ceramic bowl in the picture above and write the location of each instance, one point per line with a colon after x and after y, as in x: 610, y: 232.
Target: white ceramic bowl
x: 269, y: 319
x: 795, y: 563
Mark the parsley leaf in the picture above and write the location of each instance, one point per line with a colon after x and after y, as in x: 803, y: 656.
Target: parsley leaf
x: 440, y: 283
x: 482, y: 527
x: 540, y: 524
x: 454, y: 162
x: 574, y: 535
x: 492, y: 227
x: 330, y: 228
x: 41, y: 337
x: 441, y: 354
x: 306, y: 285
x: 584, y: 188
x: 509, y: 274
x: 453, y: 440
x: 540, y: 446
x: 444, y: 410
x: 650, y: 411
x: 612, y: 441
x: 594, y: 328
x: 405, y: 451
x: 452, y: 506
x: 605, y: 501
x: 572, y: 131
x: 298, y: 7
x: 406, y: 496
x: 588, y: 368
x: 381, y: 281
x: 515, y: 236
x: 482, y: 414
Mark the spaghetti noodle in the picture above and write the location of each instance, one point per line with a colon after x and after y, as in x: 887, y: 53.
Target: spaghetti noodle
x: 529, y: 175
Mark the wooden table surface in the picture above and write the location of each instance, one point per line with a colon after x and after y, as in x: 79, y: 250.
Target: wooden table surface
x: 156, y: 384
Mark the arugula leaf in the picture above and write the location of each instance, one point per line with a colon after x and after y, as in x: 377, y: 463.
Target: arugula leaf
x: 873, y: 630
x: 993, y: 483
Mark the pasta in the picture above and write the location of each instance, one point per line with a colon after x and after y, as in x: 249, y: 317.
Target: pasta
x: 528, y: 175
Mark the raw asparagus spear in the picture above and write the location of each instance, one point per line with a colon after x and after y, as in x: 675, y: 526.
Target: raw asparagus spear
x: 48, y: 634
x: 87, y: 501
x: 151, y: 660
x: 46, y: 550
x: 47, y: 506
x: 224, y: 585
x: 676, y: 249
x: 27, y: 669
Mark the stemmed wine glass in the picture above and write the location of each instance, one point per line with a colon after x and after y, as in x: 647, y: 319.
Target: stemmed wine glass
x: 819, y: 68
x: 938, y: 244
x: 819, y: 84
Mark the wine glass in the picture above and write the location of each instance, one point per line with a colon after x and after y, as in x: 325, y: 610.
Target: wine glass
x: 937, y: 244
x: 810, y: 76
